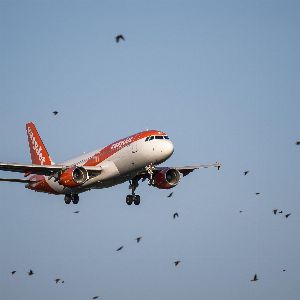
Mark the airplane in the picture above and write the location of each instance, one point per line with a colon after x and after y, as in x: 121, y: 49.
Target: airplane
x: 131, y: 159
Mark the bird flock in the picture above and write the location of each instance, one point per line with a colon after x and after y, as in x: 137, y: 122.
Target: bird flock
x: 275, y: 212
x: 137, y: 239
x: 176, y: 263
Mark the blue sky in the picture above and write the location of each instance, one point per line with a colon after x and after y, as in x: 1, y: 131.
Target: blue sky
x: 222, y: 79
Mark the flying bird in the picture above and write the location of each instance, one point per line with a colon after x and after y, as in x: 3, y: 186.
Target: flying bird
x: 287, y: 215
x: 246, y: 172
x: 95, y: 297
x: 283, y: 270
x: 254, y: 278
x: 63, y: 281
x: 30, y: 272
x: 55, y: 112
x: 298, y: 143
x: 275, y: 211
x: 57, y: 280
x: 138, y: 239
x: 170, y: 195
x: 13, y: 272
x: 76, y: 211
x: 257, y: 193
x: 175, y: 215
x: 120, y: 248
x: 280, y: 212
x: 176, y: 263
x: 119, y: 37
x: 241, y: 211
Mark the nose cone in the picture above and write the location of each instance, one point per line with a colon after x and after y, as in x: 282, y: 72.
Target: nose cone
x: 168, y: 148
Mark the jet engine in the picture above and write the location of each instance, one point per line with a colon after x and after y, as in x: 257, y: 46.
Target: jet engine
x: 166, y: 178
x: 73, y: 177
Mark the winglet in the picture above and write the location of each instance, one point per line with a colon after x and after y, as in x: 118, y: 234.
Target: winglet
x: 38, y: 151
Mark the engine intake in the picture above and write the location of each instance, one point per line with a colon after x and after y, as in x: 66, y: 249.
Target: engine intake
x: 166, y: 179
x: 73, y: 177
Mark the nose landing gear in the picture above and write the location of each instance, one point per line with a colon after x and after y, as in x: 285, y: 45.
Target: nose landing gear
x: 133, y: 198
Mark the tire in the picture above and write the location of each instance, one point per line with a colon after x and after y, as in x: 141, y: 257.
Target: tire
x: 68, y: 199
x: 75, y: 199
x: 137, y: 200
x: 129, y: 199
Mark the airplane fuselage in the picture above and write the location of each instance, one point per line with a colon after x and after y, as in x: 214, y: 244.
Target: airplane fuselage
x: 118, y: 162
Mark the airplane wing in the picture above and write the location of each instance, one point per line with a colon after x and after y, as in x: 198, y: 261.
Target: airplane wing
x: 188, y: 169
x: 17, y: 180
x: 43, y: 169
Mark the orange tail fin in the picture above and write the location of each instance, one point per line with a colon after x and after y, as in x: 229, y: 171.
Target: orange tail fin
x: 38, y: 151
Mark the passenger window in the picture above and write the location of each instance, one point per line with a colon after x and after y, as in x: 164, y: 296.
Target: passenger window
x: 151, y: 138
x: 159, y: 137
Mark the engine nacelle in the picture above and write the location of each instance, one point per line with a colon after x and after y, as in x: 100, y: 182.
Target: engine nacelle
x: 73, y: 177
x: 166, y: 178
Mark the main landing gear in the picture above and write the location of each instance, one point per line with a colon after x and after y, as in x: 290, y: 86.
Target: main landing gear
x: 71, y: 197
x: 133, y: 198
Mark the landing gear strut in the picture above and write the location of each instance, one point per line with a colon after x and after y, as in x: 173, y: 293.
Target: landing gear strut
x: 133, y: 198
x: 71, y: 197
x: 150, y: 170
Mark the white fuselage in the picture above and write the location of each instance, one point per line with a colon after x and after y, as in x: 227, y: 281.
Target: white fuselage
x: 121, y: 166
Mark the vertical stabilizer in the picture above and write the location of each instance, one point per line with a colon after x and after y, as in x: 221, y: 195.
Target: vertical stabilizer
x: 38, y: 151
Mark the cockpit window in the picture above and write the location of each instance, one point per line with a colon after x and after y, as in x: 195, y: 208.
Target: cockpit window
x: 166, y: 137
x: 151, y: 138
x: 159, y: 137
x: 147, y: 139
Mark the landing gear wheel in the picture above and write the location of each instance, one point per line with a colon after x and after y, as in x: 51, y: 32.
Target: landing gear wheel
x: 133, y: 198
x: 129, y: 199
x: 68, y: 199
x: 75, y: 199
x: 137, y: 200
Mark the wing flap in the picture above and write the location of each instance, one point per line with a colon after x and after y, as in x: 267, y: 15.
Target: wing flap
x: 30, y: 168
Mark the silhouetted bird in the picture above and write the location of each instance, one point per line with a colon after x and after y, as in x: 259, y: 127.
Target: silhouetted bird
x: 170, y: 195
x: 275, y: 211
x: 120, y: 248
x: 138, y: 239
x: 298, y: 143
x: 287, y: 215
x: 13, y: 272
x: 63, y: 281
x: 30, y: 272
x: 254, y: 278
x: 283, y: 270
x: 257, y: 193
x: 76, y: 211
x: 280, y: 212
x: 175, y: 215
x: 57, y: 280
x: 55, y: 112
x: 176, y: 263
x: 96, y: 297
x: 241, y: 211
x: 246, y: 172
x: 119, y: 37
